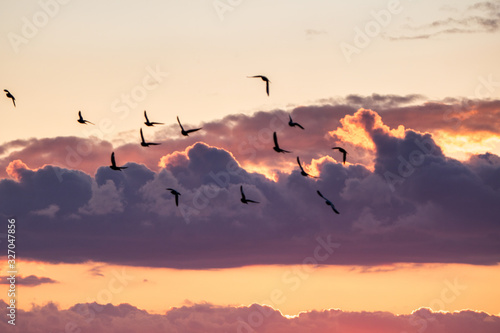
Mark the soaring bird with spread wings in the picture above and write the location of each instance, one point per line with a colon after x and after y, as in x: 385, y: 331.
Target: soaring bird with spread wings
x: 277, y: 146
x: 113, y: 163
x: 150, y: 123
x: 184, y: 132
x: 265, y: 79
x: 81, y: 120
x: 328, y: 202
x: 244, y: 199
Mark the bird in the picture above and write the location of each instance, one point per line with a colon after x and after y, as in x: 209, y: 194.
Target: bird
x: 149, y: 123
x: 244, y: 199
x: 265, y: 79
x: 184, y: 132
x: 328, y: 202
x: 147, y: 144
x: 292, y: 124
x: 9, y: 95
x: 342, y: 150
x: 113, y: 163
x: 302, y: 172
x: 81, y: 120
x: 174, y: 192
x: 277, y: 147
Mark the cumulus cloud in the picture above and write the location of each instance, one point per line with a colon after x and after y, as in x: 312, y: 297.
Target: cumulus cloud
x: 249, y: 137
x: 413, y: 204
x: 96, y: 318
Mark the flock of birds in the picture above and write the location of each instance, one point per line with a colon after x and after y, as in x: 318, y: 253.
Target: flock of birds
x: 185, y: 132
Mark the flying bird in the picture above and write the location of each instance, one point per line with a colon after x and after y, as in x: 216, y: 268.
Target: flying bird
x: 149, y: 123
x: 265, y: 79
x: 147, y: 144
x: 9, y: 95
x: 342, y: 150
x: 277, y: 147
x: 113, y: 163
x: 292, y: 124
x: 81, y: 120
x: 302, y: 172
x: 244, y: 199
x: 174, y: 192
x: 184, y: 132
x: 328, y: 202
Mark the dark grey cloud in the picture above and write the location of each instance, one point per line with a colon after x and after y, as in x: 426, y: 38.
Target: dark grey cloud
x: 208, y: 318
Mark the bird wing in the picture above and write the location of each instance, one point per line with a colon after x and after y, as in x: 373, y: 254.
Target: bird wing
x: 299, y: 125
x: 180, y: 123
x: 142, y: 136
x: 80, y: 115
x: 193, y: 130
x: 177, y: 200
x: 345, y: 156
x: 298, y: 161
x: 275, y: 138
x: 147, y: 120
x: 242, y: 194
x: 267, y: 87
x: 333, y: 207
x: 248, y: 200
x: 321, y: 195
x: 336, y: 148
x: 113, y: 162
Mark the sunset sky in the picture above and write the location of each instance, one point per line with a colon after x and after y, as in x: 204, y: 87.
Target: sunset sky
x: 411, y: 89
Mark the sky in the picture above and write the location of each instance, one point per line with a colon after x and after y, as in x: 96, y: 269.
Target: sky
x: 410, y: 89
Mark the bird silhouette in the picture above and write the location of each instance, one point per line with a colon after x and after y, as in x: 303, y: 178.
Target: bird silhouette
x: 292, y: 124
x: 342, y: 150
x: 302, y: 172
x: 81, y: 120
x: 147, y: 144
x: 113, y: 163
x: 277, y: 147
x: 174, y: 192
x: 149, y: 123
x: 184, y: 132
x: 9, y: 95
x: 265, y: 79
x: 244, y: 199
x: 328, y: 202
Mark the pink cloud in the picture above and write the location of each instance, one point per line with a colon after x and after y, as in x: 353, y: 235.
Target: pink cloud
x: 208, y: 318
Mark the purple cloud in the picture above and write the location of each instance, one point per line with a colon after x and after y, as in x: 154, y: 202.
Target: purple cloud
x: 95, y: 318
x: 416, y: 206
